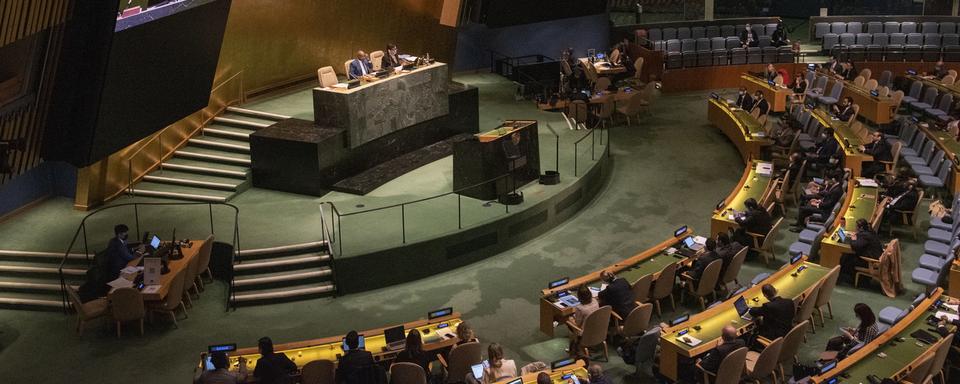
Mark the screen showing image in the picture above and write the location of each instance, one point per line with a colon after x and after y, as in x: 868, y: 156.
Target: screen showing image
x: 132, y: 13
x: 360, y: 345
x: 155, y: 242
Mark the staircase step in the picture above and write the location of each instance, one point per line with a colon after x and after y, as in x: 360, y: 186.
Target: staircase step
x: 284, y: 294
x: 233, y: 170
x: 280, y: 263
x: 166, y: 176
x: 221, y: 144
x: 41, y: 257
x: 282, y: 277
x: 19, y: 284
x: 220, y: 131
x: 258, y: 114
x: 205, y: 154
x: 204, y: 170
x: 16, y: 300
x: 241, y: 122
x: 283, y: 250
x: 180, y: 192
x: 25, y: 269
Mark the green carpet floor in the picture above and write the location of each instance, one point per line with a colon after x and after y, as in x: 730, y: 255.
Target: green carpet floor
x: 668, y: 171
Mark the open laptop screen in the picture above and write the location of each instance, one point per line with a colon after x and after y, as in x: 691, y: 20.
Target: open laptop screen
x: 741, y: 305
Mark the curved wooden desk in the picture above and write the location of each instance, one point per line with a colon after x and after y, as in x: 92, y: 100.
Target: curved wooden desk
x: 752, y: 185
x: 861, y: 203
x: 880, y: 110
x: 557, y: 376
x: 711, y: 322
x: 741, y: 128
x: 175, y: 266
x: 776, y: 95
x: 849, y: 140
x: 331, y: 348
x: 651, y: 261
x: 901, y: 357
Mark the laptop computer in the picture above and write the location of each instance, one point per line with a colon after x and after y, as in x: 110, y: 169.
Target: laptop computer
x: 567, y: 299
x: 742, y: 308
x: 394, y: 338
x: 207, y: 362
x: 360, y: 345
x: 690, y: 247
x: 842, y: 234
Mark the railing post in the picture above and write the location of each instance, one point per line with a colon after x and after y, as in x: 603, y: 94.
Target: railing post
x: 403, y: 222
x: 210, y: 207
x: 459, y: 214
x: 593, y: 145
x: 136, y: 217
x: 576, y: 155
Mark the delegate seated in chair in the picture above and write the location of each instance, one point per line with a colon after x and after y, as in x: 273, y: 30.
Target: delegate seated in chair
x: 904, y: 201
x: 729, y: 342
x: 756, y: 219
x: 760, y: 104
x: 880, y: 149
x: 844, y: 111
x: 776, y: 315
x: 823, y: 151
x: 822, y: 205
x: 618, y: 294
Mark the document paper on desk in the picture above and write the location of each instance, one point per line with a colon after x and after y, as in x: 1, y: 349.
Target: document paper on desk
x: 765, y: 169
x: 864, y: 182
x: 690, y: 340
x: 120, y: 283
x: 949, y: 316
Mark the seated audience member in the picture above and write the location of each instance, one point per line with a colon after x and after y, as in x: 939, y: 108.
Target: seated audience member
x: 785, y: 135
x: 587, y: 306
x: 822, y: 154
x: 776, y: 315
x: 748, y: 37
x: 779, y: 37
x: 794, y: 165
x: 221, y: 373
x: 822, y: 205
x: 273, y: 368
x: 864, y: 332
x: 850, y: 71
x: 760, y: 104
x: 726, y: 250
x: 356, y: 366
x: 939, y: 70
x: 902, y: 202
x: 729, y: 342
x: 597, y: 376
x: 843, y: 110
x: 119, y: 253
x: 864, y: 242
x: 499, y: 368
x: 360, y: 67
x: 544, y: 378
x: 834, y: 66
x: 770, y: 72
x: 617, y: 295
x: 413, y: 352
x: 799, y: 88
x: 755, y: 219
x: 706, y: 256
x: 465, y: 333
x: 744, y: 100
x: 391, y: 58
x: 879, y: 148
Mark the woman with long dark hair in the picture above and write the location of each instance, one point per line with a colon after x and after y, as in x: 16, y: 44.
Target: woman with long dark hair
x: 864, y: 332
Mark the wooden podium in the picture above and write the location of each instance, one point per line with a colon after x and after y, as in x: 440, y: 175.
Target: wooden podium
x: 491, y: 154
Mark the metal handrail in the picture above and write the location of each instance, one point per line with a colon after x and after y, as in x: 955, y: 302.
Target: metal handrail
x: 82, y: 228
x: 159, y: 137
x: 328, y: 237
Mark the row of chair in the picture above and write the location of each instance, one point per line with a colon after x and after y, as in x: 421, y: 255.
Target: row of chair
x: 932, y: 104
x: 929, y: 54
x: 710, y: 31
x: 939, y: 251
x: 932, y: 364
x: 735, y: 56
x: 838, y: 27
x: 892, y: 39
x: 729, y: 42
x: 921, y: 154
x: 126, y: 304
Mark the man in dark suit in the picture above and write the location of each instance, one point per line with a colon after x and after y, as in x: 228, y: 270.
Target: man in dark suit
x: 776, y: 314
x: 748, y: 37
x: 119, y: 254
x: 726, y: 250
x: 617, y: 295
x: 360, y: 66
x: 703, y: 260
x: 729, y: 342
x: 880, y: 149
x: 760, y: 103
x: 273, y: 368
x: 905, y: 201
x: 844, y: 110
x: 829, y: 197
x: 391, y: 58
x: 865, y: 242
x: 744, y: 101
x: 756, y: 219
x: 356, y: 364
x: 823, y: 150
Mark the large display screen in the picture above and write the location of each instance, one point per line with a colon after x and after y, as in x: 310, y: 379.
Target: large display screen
x: 132, y: 13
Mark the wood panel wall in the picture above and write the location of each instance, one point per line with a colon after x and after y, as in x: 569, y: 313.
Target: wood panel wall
x: 280, y: 42
x: 20, y: 19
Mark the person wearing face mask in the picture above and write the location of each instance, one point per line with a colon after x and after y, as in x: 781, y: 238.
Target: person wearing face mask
x: 844, y: 110
x: 760, y: 104
x: 939, y: 71
x: 118, y: 251
x: 748, y: 37
x: 879, y: 148
x: 825, y: 147
x: 779, y: 37
x: 744, y: 101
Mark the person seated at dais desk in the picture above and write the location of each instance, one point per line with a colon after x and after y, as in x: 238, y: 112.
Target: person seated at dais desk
x: 822, y: 153
x: 770, y: 73
x: 776, y: 315
x: 939, y: 71
x: 726, y: 250
x: 119, y: 253
x: 828, y: 197
x: 906, y: 200
x: 360, y: 67
x: 413, y: 352
x: 597, y: 376
x: 865, y: 332
x: 544, y: 378
x: 707, y: 256
x: 865, y: 242
x: 392, y: 57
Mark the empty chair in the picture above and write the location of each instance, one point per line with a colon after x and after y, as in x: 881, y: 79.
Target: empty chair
x: 914, y: 92
x: 674, y: 60
x: 654, y: 34
x: 376, y: 60
x: 327, y: 76
x: 785, y: 55
x: 713, y: 31
x: 838, y: 27
x: 791, y: 345
x: 834, y: 95
x: 763, y: 364
x: 914, y: 39
x: 770, y: 28
x: 908, y: 27
x: 673, y: 45
x: 727, y: 31
x: 126, y: 304
x: 688, y: 45
x: 825, y: 293
x: 683, y: 33
x: 733, y: 270
x: 864, y: 39
x: 947, y: 27
x: 641, y: 288
x: 898, y: 38
x: 400, y: 373
x: 763, y: 42
x: 871, y: 85
x: 912, y: 52
x: 461, y: 358
x: 754, y: 55
x: 707, y: 284
x: 847, y: 39
x: 950, y: 39
x: 669, y: 33
x: 874, y: 27
x: 637, y: 321
x: 738, y: 56
x: 173, y: 300
x: 854, y: 27
x: 769, y: 54
x: 698, y: 32
x: 805, y: 310
x: 646, y: 350
x: 732, y: 42
x: 322, y: 372
x: 689, y: 59
x: 951, y: 52
x: 820, y: 29
x: 829, y: 41
x: 891, y: 27
x: 942, y: 108
x: 930, y: 39
x: 703, y: 44
x: 929, y: 96
x: 885, y: 78
x: 857, y: 53
x: 90, y: 310
x: 931, y: 53
x: 718, y: 51
x: 929, y: 27
x: 663, y: 287
x: 881, y: 39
